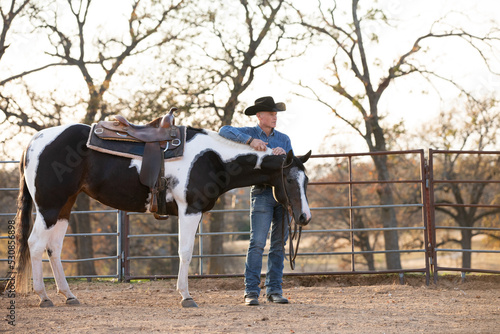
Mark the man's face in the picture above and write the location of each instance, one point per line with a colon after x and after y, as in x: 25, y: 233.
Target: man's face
x: 267, y: 118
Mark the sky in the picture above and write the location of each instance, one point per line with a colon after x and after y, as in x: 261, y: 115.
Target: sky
x: 410, y: 100
x: 308, y: 122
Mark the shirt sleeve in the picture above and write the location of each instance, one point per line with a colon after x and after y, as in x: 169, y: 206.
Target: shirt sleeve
x: 288, y: 145
x: 239, y: 135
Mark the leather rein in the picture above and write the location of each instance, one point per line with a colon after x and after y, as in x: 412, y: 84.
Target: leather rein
x: 292, y: 251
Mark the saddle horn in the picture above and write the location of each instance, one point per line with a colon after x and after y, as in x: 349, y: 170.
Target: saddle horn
x: 169, y: 119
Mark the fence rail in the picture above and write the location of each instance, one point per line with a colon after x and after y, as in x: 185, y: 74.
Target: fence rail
x: 427, y: 255
x: 436, y: 250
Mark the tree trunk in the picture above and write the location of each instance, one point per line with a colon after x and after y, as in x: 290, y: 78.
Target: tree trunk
x: 80, y: 223
x: 388, y: 215
x: 363, y: 241
x: 466, y: 244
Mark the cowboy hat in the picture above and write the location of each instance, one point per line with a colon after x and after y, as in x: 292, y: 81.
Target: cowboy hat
x: 265, y: 103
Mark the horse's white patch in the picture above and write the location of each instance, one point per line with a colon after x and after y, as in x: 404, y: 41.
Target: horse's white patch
x: 146, y: 204
x: 137, y: 164
x: 232, y: 150
x: 300, y: 177
x: 170, y: 196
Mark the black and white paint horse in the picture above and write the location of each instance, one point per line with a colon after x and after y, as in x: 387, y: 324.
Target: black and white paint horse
x: 57, y: 166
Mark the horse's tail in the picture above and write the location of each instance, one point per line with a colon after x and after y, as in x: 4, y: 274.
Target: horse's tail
x: 23, y: 226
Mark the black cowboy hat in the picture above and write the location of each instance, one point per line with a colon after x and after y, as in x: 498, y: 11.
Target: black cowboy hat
x: 265, y: 103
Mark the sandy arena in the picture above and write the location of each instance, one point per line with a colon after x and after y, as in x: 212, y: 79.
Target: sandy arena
x: 341, y: 304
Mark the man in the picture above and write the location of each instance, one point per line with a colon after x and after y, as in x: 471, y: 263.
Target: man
x: 265, y: 212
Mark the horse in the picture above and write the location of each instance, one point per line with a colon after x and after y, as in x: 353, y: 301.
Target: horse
x: 57, y: 165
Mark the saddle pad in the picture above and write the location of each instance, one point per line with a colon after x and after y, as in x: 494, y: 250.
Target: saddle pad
x: 133, y: 150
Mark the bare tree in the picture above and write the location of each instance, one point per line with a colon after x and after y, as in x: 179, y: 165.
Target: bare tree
x: 215, y: 68
x: 98, y: 60
x: 476, y: 128
x: 206, y: 75
x: 351, y: 60
x: 10, y: 13
x: 109, y: 57
x: 234, y: 42
x: 145, y: 26
x: 13, y: 15
x: 232, y: 70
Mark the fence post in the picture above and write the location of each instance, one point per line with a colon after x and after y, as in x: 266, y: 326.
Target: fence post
x: 125, y: 247
x: 119, y: 266
x: 351, y: 214
x: 431, y: 215
x: 426, y: 215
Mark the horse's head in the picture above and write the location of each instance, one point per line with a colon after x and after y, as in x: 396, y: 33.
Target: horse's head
x: 290, y: 187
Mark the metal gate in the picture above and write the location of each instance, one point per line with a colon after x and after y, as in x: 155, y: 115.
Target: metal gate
x: 459, y: 205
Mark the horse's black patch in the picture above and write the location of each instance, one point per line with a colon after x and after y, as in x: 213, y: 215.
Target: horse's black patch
x: 202, y: 189
x: 192, y: 132
x: 172, y: 182
x: 299, y: 163
x: 210, y: 177
x: 25, y: 159
x: 60, y: 166
x: 112, y: 181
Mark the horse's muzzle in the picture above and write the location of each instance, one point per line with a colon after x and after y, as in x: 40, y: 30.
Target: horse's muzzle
x: 304, y: 220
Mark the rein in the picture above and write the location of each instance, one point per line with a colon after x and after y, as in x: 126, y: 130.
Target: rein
x: 292, y: 251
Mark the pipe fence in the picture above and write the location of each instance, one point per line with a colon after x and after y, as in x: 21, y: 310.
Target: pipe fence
x: 363, y: 223
x: 464, y: 209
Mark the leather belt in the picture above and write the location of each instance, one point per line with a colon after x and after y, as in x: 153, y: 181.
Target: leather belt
x: 262, y: 186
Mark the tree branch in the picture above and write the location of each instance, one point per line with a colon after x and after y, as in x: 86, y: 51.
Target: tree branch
x: 7, y: 19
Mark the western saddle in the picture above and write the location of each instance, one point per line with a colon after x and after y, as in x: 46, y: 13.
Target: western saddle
x: 158, y: 135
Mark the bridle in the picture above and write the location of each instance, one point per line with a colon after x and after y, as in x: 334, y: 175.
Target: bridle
x: 286, y: 215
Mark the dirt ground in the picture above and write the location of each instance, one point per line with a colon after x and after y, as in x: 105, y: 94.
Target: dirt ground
x: 340, y: 304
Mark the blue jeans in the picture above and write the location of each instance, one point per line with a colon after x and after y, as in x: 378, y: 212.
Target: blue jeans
x: 265, y: 213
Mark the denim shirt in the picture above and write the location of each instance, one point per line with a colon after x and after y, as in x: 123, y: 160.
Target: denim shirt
x: 243, y: 134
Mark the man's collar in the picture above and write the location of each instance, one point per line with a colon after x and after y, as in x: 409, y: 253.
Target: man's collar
x: 263, y: 132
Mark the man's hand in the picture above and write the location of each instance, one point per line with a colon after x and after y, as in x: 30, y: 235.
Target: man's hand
x: 258, y: 145
x: 278, y: 151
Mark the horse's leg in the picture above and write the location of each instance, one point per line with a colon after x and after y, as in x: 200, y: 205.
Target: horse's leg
x: 37, y: 243
x: 54, y: 248
x: 187, y: 232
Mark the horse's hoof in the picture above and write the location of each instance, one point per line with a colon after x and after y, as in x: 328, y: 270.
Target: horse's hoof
x: 72, y: 301
x: 189, y: 302
x: 46, y: 303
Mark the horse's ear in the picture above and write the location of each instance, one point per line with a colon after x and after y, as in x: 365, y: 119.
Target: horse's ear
x: 306, y: 157
x: 289, y: 158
